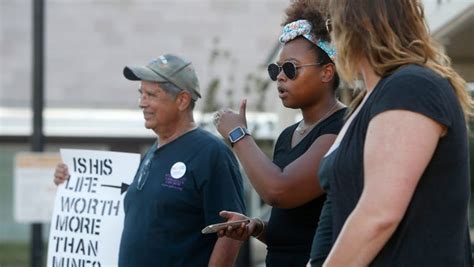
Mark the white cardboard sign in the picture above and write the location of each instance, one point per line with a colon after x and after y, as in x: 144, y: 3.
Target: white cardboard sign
x: 87, y: 220
x: 33, y: 187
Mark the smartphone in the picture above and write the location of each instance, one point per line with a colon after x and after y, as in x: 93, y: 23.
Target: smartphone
x: 213, y: 228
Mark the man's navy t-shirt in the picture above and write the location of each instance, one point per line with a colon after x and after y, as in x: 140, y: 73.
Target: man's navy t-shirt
x: 178, y: 190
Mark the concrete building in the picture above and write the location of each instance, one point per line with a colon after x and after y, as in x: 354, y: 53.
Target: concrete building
x: 89, y: 42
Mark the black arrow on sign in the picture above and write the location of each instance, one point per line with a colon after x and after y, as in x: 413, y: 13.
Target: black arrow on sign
x: 123, y: 188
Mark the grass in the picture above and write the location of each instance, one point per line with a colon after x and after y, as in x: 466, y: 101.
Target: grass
x: 17, y: 255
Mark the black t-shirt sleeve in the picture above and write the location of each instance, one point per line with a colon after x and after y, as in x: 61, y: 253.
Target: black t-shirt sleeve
x: 223, y: 189
x: 414, y: 91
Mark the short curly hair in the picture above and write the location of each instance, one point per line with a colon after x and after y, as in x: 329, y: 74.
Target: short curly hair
x: 312, y: 11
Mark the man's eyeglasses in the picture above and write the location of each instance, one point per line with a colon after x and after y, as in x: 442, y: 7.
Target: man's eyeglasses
x: 289, y: 68
x: 143, y: 174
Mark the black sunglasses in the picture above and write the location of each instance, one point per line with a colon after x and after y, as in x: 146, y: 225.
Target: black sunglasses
x: 289, y: 68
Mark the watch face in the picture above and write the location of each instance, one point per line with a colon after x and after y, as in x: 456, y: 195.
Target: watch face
x: 235, y: 134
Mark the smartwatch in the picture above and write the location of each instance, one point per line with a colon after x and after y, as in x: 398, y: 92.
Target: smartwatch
x: 236, y: 134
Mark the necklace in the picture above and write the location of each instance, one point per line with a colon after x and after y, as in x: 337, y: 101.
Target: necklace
x: 302, y: 131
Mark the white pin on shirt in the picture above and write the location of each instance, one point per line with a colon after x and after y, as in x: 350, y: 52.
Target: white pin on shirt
x: 178, y: 170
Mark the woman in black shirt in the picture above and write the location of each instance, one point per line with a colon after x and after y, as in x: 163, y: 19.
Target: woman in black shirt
x: 398, y: 172
x: 306, y: 80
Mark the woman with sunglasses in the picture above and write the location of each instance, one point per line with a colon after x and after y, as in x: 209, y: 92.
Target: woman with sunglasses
x: 306, y: 80
x: 399, y: 170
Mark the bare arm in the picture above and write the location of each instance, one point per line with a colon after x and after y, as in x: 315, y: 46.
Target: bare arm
x: 278, y: 187
x: 275, y: 186
x: 399, y: 145
x: 225, y: 252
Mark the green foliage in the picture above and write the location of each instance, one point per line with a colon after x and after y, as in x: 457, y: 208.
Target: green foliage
x: 211, y: 104
x: 255, y: 86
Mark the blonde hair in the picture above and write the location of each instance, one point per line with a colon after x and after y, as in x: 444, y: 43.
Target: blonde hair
x: 389, y: 34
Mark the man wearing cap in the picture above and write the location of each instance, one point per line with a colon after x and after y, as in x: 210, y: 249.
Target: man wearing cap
x: 187, y: 176
x: 183, y: 181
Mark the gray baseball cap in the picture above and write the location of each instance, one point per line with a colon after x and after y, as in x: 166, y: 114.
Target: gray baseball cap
x: 167, y: 68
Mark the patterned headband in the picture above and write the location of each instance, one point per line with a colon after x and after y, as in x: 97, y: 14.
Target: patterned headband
x: 303, y: 28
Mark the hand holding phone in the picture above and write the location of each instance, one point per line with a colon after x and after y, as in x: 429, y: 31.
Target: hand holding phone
x: 214, y: 228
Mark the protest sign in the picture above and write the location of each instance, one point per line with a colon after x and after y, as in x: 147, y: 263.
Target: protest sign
x: 88, y: 214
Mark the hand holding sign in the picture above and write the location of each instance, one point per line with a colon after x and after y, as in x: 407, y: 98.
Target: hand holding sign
x: 61, y: 174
